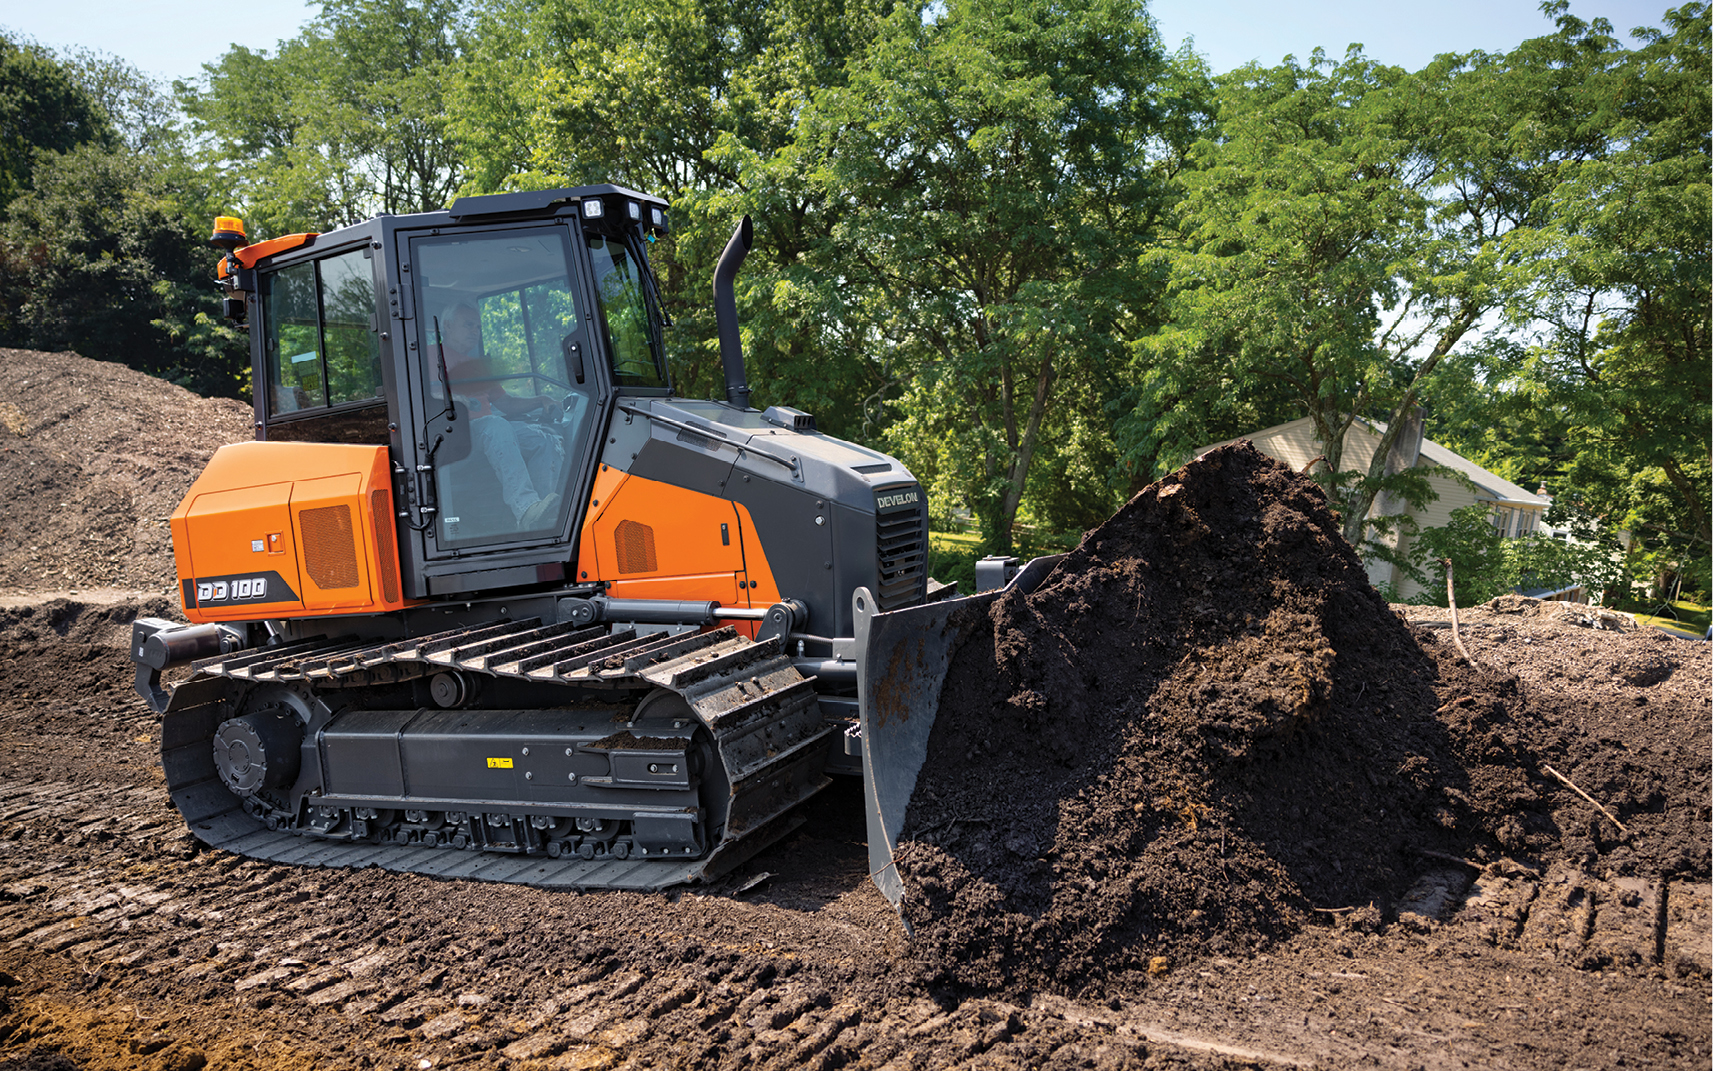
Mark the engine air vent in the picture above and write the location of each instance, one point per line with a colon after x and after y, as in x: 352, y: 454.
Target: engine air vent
x: 901, y: 547
x: 329, y: 546
x: 634, y: 543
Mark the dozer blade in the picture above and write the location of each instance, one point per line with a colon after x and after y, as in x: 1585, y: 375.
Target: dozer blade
x: 902, y: 658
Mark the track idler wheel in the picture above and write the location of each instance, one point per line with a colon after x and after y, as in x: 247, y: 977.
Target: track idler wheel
x: 257, y: 751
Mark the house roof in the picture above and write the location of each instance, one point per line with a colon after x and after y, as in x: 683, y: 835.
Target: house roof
x: 1490, y: 484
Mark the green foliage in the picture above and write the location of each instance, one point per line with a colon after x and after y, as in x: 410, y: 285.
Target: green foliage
x: 1475, y: 550
x: 103, y: 250
x: 699, y: 103
x: 1336, y: 240
x: 991, y: 160
x: 1070, y: 489
x: 43, y: 108
x: 1535, y: 563
x: 953, y: 563
x: 1485, y: 564
x: 107, y: 256
x: 143, y: 115
x: 346, y: 120
x: 1621, y: 276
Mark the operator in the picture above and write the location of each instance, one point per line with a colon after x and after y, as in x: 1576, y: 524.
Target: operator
x: 524, y: 456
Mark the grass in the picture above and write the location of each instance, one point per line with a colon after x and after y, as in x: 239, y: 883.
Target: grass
x: 1681, y: 614
x: 952, y: 555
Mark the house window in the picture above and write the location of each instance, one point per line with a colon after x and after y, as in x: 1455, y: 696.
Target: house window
x: 1501, y: 518
x: 1511, y: 522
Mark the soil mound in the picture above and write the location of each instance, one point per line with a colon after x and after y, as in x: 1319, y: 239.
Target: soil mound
x: 94, y: 456
x: 1202, y: 727
x: 71, y: 652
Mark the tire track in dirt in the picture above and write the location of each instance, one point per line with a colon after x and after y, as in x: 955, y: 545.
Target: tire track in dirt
x: 228, y: 930
x: 237, y: 932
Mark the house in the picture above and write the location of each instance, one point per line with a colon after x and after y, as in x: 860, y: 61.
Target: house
x: 1513, y: 511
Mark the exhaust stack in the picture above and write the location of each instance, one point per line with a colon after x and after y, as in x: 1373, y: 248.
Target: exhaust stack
x: 726, y: 313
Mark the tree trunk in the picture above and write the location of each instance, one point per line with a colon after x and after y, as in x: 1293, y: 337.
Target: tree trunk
x: 1361, y: 496
x: 1691, y: 495
x: 999, y: 541
x: 1405, y: 452
x: 1329, y: 428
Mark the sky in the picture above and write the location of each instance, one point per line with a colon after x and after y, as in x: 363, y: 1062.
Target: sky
x: 1231, y: 33
x: 174, y: 38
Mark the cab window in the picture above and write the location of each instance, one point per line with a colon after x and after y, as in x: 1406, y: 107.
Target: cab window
x: 321, y: 348
x: 639, y: 359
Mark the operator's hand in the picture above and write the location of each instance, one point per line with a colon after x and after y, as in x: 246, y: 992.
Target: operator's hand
x: 551, y: 411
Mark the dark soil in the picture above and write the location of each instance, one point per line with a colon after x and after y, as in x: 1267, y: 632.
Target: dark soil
x: 123, y: 945
x: 1205, y: 730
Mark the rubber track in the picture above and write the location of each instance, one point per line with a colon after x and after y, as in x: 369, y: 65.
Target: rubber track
x: 761, y: 712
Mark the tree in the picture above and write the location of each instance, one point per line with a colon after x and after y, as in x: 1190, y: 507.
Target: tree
x: 1485, y: 564
x: 1346, y: 229
x: 697, y: 102
x: 42, y: 108
x: 988, y: 163
x: 346, y: 120
x: 106, y: 253
x: 1621, y: 282
x: 142, y: 113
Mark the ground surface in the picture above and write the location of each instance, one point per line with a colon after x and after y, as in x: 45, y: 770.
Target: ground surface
x: 1536, y: 935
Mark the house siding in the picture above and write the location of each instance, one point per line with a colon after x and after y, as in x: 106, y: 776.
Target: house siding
x: 1295, y: 446
x: 1294, y: 443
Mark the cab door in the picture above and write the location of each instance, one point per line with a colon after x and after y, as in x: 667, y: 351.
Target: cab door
x: 505, y: 389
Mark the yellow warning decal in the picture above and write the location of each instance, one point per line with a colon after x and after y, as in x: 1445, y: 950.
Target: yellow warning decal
x: 499, y: 764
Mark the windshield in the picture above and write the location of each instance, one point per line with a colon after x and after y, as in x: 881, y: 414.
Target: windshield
x: 639, y: 358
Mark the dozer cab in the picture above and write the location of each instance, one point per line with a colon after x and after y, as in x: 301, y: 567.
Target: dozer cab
x: 485, y: 598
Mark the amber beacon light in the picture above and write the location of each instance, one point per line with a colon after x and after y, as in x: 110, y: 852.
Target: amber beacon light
x: 228, y: 233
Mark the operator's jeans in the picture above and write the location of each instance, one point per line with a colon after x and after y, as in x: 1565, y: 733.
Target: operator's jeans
x: 525, y: 457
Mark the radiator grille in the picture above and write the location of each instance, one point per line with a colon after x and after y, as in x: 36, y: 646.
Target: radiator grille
x: 381, y: 504
x: 635, y: 545
x: 329, y: 546
x: 901, y: 550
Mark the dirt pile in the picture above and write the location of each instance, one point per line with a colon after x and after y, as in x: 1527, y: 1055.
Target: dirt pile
x: 1623, y: 713
x: 1204, y: 728
x: 93, y: 458
x: 72, y: 651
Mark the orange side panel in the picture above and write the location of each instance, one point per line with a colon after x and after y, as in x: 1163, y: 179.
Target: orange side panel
x: 645, y: 530
x: 214, y: 534
x: 275, y: 530
x: 651, y: 540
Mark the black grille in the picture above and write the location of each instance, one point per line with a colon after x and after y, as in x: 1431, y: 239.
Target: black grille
x: 901, y: 552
